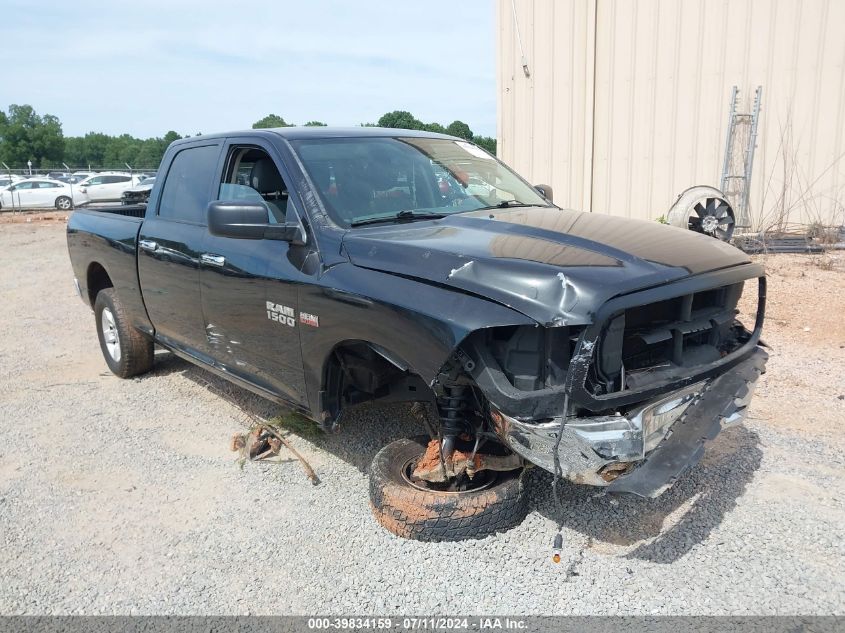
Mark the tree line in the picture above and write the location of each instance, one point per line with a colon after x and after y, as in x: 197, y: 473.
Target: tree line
x: 399, y: 119
x: 27, y: 136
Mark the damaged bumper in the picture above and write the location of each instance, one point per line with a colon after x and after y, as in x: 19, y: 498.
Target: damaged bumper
x: 648, y: 448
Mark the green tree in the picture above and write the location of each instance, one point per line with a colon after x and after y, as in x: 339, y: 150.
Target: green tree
x: 96, y: 146
x: 271, y: 120
x: 315, y: 124
x: 400, y: 119
x: 26, y: 136
x: 486, y: 142
x: 460, y: 129
x: 435, y: 127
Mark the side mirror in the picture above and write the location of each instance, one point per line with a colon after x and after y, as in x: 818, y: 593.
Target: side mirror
x: 545, y: 191
x: 248, y: 221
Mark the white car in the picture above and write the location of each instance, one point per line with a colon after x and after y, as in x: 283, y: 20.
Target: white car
x: 39, y: 193
x: 6, y: 180
x: 107, y: 186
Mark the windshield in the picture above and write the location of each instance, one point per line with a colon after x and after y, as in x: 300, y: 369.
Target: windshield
x: 367, y: 179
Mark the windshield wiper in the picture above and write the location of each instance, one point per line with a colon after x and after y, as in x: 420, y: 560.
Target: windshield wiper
x: 505, y: 204
x: 403, y: 216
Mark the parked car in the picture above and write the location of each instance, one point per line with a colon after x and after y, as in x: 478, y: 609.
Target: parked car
x: 83, y: 174
x: 72, y: 180
x: 39, y: 193
x: 140, y: 193
x: 6, y: 180
x: 107, y: 186
x: 603, y: 349
x: 57, y: 175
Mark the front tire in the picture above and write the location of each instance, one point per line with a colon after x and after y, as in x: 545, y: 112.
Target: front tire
x: 63, y: 203
x: 414, y: 512
x: 127, y: 352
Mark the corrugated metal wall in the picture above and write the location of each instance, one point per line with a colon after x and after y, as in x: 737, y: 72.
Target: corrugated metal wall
x: 627, y: 101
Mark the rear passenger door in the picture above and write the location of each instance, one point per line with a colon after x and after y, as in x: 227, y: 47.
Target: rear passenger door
x: 116, y: 185
x: 169, y: 248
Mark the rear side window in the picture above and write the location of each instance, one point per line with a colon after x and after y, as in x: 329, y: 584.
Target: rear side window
x: 110, y: 180
x: 185, y: 195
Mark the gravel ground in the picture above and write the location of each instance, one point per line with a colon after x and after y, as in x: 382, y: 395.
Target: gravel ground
x: 121, y: 497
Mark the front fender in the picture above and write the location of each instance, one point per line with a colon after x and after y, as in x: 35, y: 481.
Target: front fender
x: 418, y: 322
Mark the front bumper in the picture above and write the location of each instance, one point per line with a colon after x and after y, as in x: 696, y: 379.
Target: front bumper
x: 647, y: 449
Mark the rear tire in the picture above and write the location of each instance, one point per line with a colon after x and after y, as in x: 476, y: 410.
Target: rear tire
x: 63, y: 203
x: 127, y: 351
x: 431, y: 515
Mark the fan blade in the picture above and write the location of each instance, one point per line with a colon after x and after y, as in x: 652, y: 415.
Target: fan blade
x: 721, y: 211
x: 700, y: 210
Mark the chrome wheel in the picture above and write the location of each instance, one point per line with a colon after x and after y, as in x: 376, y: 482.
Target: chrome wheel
x: 64, y: 203
x: 110, y: 337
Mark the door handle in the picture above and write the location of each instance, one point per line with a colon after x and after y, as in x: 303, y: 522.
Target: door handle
x: 148, y: 245
x: 212, y: 260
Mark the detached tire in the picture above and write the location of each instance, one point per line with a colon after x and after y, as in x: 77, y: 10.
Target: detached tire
x: 126, y: 350
x: 431, y: 515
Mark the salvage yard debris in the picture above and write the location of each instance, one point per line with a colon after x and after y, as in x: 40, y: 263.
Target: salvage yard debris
x: 263, y: 441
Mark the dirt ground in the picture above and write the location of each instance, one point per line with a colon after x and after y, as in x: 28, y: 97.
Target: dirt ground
x: 804, y: 387
x: 121, y: 496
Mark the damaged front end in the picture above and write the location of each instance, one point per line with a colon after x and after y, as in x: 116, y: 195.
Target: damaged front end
x: 627, y: 401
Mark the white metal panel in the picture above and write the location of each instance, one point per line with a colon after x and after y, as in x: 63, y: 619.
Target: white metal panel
x: 543, y: 119
x: 627, y: 101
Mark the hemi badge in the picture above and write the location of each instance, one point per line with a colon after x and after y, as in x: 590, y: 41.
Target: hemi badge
x: 309, y: 319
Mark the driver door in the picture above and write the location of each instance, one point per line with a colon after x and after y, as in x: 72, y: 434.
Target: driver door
x: 250, y: 287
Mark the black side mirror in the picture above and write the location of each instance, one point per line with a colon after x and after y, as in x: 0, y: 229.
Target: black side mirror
x: 248, y: 221
x: 545, y: 191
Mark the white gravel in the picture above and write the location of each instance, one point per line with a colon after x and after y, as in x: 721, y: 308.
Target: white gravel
x: 121, y: 497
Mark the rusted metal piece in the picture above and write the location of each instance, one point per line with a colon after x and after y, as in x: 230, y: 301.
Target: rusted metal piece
x: 429, y: 467
x: 275, y: 445
x: 257, y: 443
x: 612, y: 471
x: 238, y: 442
x: 280, y: 440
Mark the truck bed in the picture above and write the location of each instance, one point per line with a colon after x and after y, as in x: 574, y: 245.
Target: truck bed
x: 106, y: 238
x: 129, y: 210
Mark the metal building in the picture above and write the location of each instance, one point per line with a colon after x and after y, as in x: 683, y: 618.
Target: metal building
x: 620, y: 105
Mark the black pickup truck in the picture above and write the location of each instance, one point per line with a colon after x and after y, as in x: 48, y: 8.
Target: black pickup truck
x: 324, y: 267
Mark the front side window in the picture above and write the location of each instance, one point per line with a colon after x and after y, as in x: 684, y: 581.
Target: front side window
x: 185, y: 193
x: 364, y: 180
x: 251, y: 175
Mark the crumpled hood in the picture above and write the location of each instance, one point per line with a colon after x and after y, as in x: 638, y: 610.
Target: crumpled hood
x: 555, y: 266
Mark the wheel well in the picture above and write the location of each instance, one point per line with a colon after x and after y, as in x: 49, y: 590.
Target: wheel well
x: 97, y: 279
x: 357, y: 371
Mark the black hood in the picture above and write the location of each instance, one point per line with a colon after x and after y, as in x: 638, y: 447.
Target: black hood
x: 555, y: 266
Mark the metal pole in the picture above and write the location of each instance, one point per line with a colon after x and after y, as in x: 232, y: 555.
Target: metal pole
x: 72, y: 205
x: 730, y: 133
x: 749, y: 158
x: 11, y: 183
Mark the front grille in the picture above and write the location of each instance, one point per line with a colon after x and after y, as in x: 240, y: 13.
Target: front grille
x: 652, y: 342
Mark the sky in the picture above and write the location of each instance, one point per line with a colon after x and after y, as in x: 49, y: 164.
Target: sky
x: 145, y: 67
